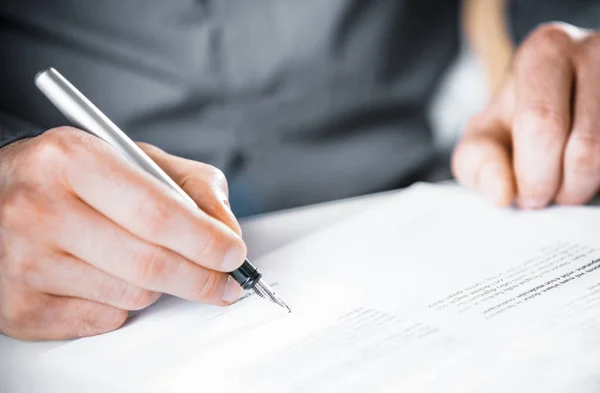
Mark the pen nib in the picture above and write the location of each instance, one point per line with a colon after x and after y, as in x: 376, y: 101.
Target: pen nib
x: 263, y: 290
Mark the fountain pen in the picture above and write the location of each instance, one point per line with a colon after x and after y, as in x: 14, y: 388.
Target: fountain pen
x: 82, y: 113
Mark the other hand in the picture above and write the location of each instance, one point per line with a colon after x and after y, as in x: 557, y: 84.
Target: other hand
x: 538, y: 142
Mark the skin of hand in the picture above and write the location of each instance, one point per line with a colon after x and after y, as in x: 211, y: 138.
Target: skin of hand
x: 86, y: 237
x: 538, y: 142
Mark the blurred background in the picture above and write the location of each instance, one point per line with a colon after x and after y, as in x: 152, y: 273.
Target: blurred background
x: 297, y: 102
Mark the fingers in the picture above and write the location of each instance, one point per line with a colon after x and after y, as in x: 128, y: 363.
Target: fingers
x: 552, y: 123
x: 544, y: 74
x: 94, y: 239
x: 146, y: 208
x: 67, y: 276
x: 205, y: 184
x: 482, y: 160
x: 49, y: 317
x: 581, y: 171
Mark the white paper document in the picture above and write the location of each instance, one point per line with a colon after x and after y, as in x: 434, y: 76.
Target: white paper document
x: 433, y: 290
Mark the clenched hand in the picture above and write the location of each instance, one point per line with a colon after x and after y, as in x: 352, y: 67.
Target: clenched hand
x: 539, y: 141
x: 85, y: 236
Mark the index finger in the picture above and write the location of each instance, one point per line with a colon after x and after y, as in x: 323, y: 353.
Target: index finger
x: 148, y: 209
x: 205, y: 184
x: 541, y: 122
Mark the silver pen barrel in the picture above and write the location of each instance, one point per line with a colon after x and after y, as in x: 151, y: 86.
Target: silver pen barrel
x: 85, y: 115
x: 82, y: 113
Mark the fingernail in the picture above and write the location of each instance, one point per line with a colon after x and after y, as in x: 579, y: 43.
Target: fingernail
x: 233, y: 259
x: 232, y: 291
x: 531, y: 203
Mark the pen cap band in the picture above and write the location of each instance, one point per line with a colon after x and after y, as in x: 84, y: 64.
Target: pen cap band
x: 247, y: 275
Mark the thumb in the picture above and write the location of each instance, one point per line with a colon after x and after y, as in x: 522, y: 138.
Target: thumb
x: 204, y: 183
x: 482, y: 159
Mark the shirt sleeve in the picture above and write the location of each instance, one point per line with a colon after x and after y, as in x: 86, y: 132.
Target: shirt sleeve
x: 13, y: 129
x: 525, y: 15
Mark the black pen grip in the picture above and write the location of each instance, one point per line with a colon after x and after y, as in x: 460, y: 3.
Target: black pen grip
x: 246, y: 275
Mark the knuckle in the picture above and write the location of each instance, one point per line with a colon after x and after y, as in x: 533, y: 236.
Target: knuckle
x: 541, y: 120
x: 21, y: 269
x: 151, y: 264
x: 109, y: 320
x: 18, y: 264
x: 116, y: 320
x: 155, y: 216
x: 588, y: 52
x: 216, y: 174
x: 548, y: 113
x: 549, y: 39
x: 209, y: 287
x: 551, y: 35
x: 126, y: 295
x: 584, y: 151
x: 216, y: 178
x: 52, y: 145
x: 136, y: 298
x: 60, y: 133
x: 18, y: 313
x: 17, y: 207
x: 52, y: 152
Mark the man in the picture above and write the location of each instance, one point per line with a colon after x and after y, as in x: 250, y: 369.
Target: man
x: 297, y: 102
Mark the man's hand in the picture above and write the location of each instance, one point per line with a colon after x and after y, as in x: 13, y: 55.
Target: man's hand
x: 539, y: 141
x: 85, y: 236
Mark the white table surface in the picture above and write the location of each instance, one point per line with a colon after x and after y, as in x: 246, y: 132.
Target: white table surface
x: 20, y: 369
